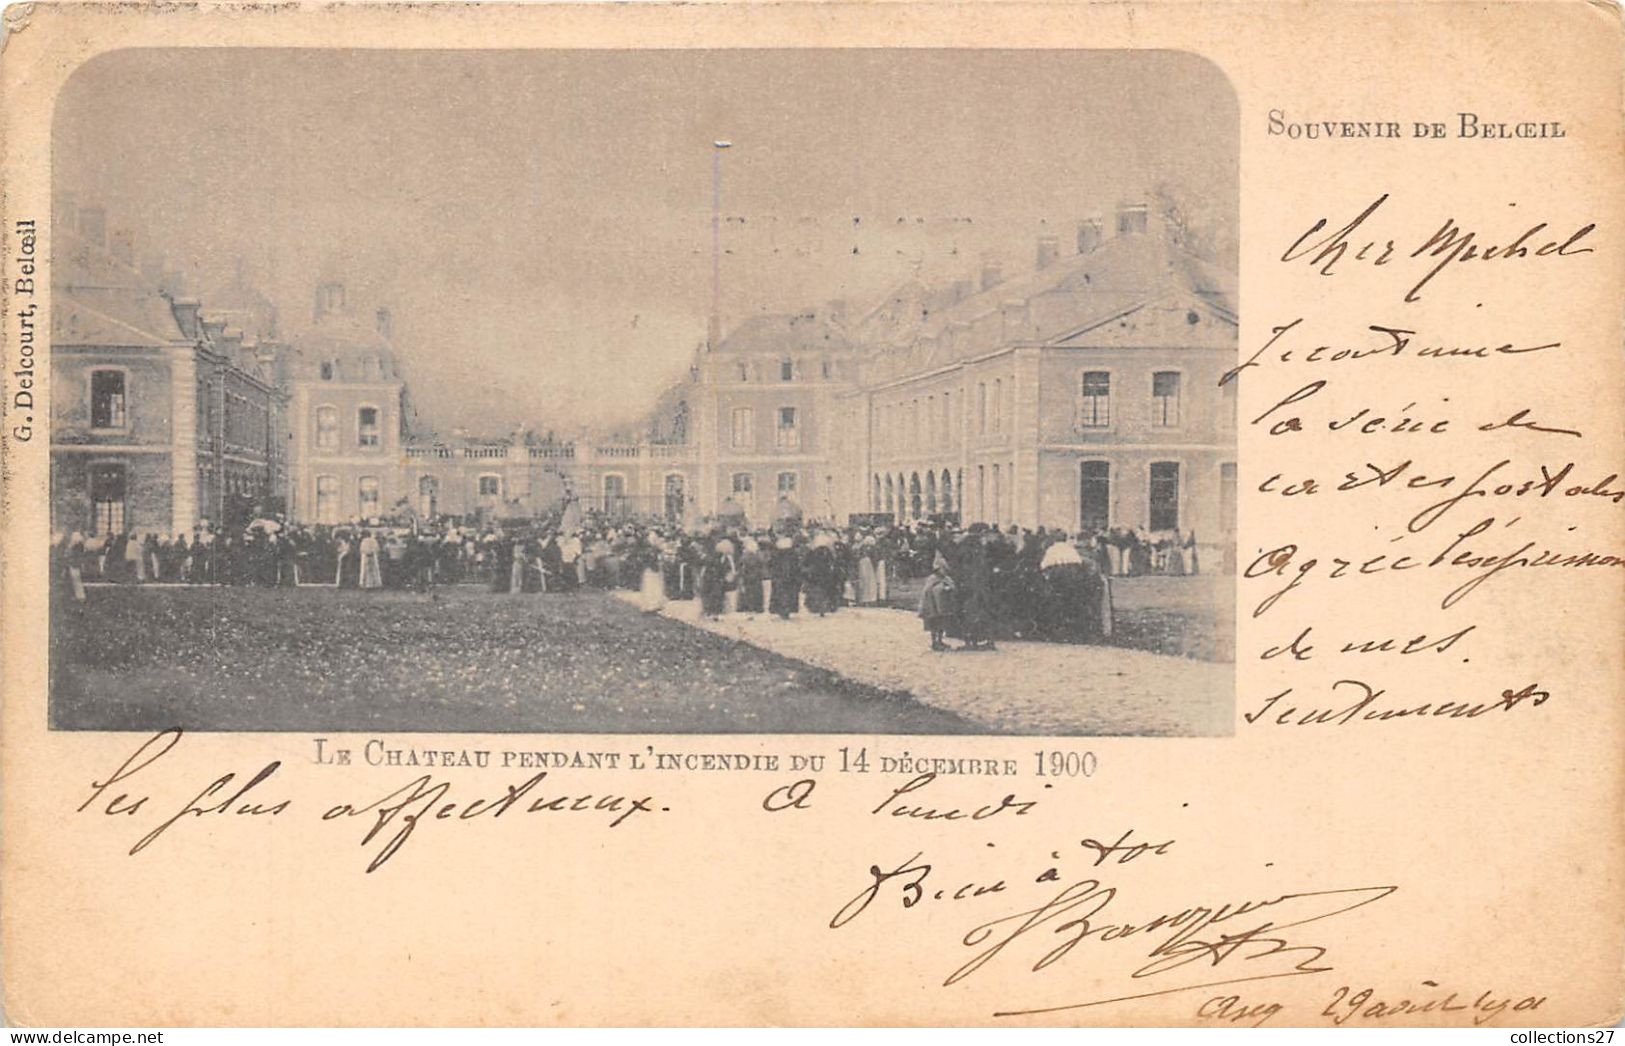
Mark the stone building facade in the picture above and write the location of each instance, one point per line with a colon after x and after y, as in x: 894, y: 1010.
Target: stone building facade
x: 162, y: 415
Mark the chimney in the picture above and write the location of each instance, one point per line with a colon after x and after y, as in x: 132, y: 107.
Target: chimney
x: 992, y: 275
x: 1132, y: 219
x: 1049, y: 248
x: 186, y: 316
x: 329, y: 299
x: 93, y: 224
x: 121, y: 245
x: 386, y: 326
x: 1090, y: 232
x: 214, y: 330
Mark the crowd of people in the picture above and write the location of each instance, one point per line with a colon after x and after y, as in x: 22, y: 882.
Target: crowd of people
x: 980, y: 583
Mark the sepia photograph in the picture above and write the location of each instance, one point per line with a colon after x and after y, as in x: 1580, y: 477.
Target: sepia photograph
x: 704, y: 392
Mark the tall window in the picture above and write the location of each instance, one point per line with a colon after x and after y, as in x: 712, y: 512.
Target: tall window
x: 1094, y: 495
x: 327, y: 370
x: 1095, y: 411
x: 327, y: 499
x: 490, y: 486
x: 998, y: 495
x: 1165, y: 398
x: 1227, y: 499
x: 676, y: 499
x: 744, y: 493
x: 614, y: 493
x: 787, y: 369
x: 744, y: 427
x: 998, y: 404
x: 367, y: 426
x: 744, y: 371
x: 107, y: 493
x: 1164, y: 495
x: 327, y: 428
x: 428, y: 492
x: 787, y: 436
x: 367, y: 489
x: 787, y: 484
x: 981, y: 407
x: 107, y: 399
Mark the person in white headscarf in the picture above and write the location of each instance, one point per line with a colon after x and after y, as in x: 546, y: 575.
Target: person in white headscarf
x: 135, y: 562
x: 372, y: 572
x: 868, y: 587
x: 651, y: 583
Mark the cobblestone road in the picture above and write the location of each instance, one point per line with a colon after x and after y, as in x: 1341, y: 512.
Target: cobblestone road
x: 1021, y: 688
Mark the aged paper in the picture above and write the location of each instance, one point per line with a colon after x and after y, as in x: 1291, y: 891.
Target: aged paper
x: 813, y: 514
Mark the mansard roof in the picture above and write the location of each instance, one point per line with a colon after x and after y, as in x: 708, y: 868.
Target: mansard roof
x: 811, y: 331
x: 102, y: 301
x: 1132, y: 290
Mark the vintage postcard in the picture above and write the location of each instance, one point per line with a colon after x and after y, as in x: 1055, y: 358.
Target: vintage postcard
x: 743, y: 514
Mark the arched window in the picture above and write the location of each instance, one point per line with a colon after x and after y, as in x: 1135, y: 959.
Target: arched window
x: 1165, y: 399
x: 108, y: 399
x: 1164, y: 495
x: 744, y: 492
x: 615, y: 502
x: 1095, y: 402
x: 367, y: 496
x: 327, y: 499
x: 676, y: 496
x: 428, y: 495
x: 931, y: 492
x: 915, y: 503
x: 891, y: 495
x: 1094, y: 495
x: 947, y: 499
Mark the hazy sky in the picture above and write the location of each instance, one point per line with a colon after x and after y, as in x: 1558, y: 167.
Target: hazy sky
x: 539, y: 222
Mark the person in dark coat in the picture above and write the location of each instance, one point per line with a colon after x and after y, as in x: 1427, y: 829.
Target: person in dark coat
x: 938, y: 606
x: 821, y: 576
x: 975, y: 584
x: 753, y: 564
x: 500, y: 554
x: 785, y: 569
x: 712, y: 583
